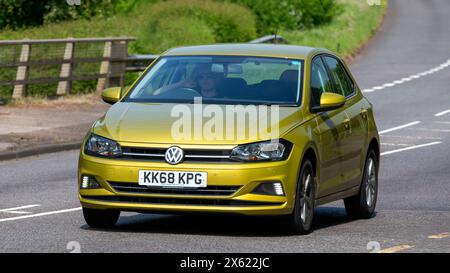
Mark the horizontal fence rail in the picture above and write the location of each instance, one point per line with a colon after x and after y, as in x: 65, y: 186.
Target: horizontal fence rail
x: 24, y: 63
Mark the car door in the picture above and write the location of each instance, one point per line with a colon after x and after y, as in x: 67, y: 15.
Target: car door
x: 329, y: 131
x: 354, y: 142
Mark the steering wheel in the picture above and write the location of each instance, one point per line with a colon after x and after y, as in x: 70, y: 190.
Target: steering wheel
x: 189, y: 91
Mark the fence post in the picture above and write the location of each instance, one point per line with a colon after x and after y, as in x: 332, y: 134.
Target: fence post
x: 20, y: 90
x: 104, y: 67
x: 64, y: 87
x: 119, y: 52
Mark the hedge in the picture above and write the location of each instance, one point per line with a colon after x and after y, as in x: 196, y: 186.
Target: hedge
x: 227, y: 22
x: 277, y: 15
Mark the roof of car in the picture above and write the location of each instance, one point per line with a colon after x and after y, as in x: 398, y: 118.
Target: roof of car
x: 263, y: 50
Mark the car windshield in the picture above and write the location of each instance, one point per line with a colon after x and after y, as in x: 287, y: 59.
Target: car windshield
x: 221, y: 80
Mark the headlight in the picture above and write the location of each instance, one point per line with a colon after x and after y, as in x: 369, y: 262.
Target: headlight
x: 262, y: 151
x: 100, y: 146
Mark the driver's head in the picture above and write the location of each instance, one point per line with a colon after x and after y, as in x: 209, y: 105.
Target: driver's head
x: 206, y: 78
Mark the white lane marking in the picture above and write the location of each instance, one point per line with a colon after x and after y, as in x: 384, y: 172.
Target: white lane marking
x: 18, y: 210
x: 442, y: 113
x: 39, y: 214
x: 410, y: 78
x: 411, y: 148
x: 400, y: 127
x: 394, y: 144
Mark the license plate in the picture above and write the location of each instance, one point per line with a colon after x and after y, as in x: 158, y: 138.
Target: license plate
x: 172, y: 179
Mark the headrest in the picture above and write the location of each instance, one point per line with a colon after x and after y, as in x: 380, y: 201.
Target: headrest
x: 289, y: 76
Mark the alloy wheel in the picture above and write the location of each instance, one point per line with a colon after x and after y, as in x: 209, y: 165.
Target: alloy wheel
x: 306, y: 198
x: 370, y: 182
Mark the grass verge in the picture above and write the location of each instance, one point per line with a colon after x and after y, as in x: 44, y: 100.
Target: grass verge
x: 347, y: 33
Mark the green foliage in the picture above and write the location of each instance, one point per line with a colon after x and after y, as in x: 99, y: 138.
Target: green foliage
x: 169, y: 32
x: 24, y: 13
x: 226, y: 22
x: 19, y: 13
x: 127, y: 6
x: 59, y: 10
x: 354, y: 25
x: 274, y: 15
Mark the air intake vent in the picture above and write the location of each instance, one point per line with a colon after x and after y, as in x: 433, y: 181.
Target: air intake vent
x: 127, y: 187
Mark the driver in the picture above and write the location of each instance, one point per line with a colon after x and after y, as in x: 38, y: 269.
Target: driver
x: 205, y: 82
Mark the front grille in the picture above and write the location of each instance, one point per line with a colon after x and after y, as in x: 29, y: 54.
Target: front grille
x: 190, y: 155
x: 179, y: 201
x: 127, y: 187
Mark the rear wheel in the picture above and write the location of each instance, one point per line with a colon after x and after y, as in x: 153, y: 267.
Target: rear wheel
x: 300, y: 221
x: 363, y: 204
x: 100, y: 218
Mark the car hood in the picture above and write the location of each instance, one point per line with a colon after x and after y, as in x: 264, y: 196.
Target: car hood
x: 155, y: 123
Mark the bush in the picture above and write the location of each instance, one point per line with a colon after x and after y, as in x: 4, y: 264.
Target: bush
x: 274, y: 15
x: 169, y: 32
x: 19, y: 13
x: 24, y: 13
x: 59, y: 10
x: 228, y: 22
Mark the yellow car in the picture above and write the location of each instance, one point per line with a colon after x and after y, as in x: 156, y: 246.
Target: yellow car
x: 251, y: 129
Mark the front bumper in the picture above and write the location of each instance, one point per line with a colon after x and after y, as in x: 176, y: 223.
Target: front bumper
x: 245, y: 175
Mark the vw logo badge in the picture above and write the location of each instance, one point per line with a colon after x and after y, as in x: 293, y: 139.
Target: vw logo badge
x: 174, y: 155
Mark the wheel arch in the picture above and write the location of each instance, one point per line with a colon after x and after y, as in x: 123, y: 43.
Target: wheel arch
x: 375, y: 146
x: 310, y: 152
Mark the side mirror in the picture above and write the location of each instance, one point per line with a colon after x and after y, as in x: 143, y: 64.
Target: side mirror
x: 330, y: 101
x: 111, y: 95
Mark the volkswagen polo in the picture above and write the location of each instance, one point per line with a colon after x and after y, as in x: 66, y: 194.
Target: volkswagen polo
x: 252, y: 129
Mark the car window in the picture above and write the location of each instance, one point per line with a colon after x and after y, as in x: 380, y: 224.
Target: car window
x: 222, y: 80
x: 320, y: 82
x: 343, y: 82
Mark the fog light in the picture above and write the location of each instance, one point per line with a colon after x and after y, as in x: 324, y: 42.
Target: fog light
x: 278, y: 188
x: 274, y: 188
x: 89, y: 182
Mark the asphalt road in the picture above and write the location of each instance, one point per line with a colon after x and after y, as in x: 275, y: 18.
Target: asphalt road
x: 413, y: 212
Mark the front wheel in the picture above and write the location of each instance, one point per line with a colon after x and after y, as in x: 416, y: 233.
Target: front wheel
x: 100, y: 218
x: 363, y: 204
x: 300, y: 221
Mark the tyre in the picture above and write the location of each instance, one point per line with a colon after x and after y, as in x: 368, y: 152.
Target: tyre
x: 300, y: 221
x: 100, y: 218
x: 362, y: 206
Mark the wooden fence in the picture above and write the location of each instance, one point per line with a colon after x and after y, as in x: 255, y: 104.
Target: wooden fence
x: 112, y: 59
